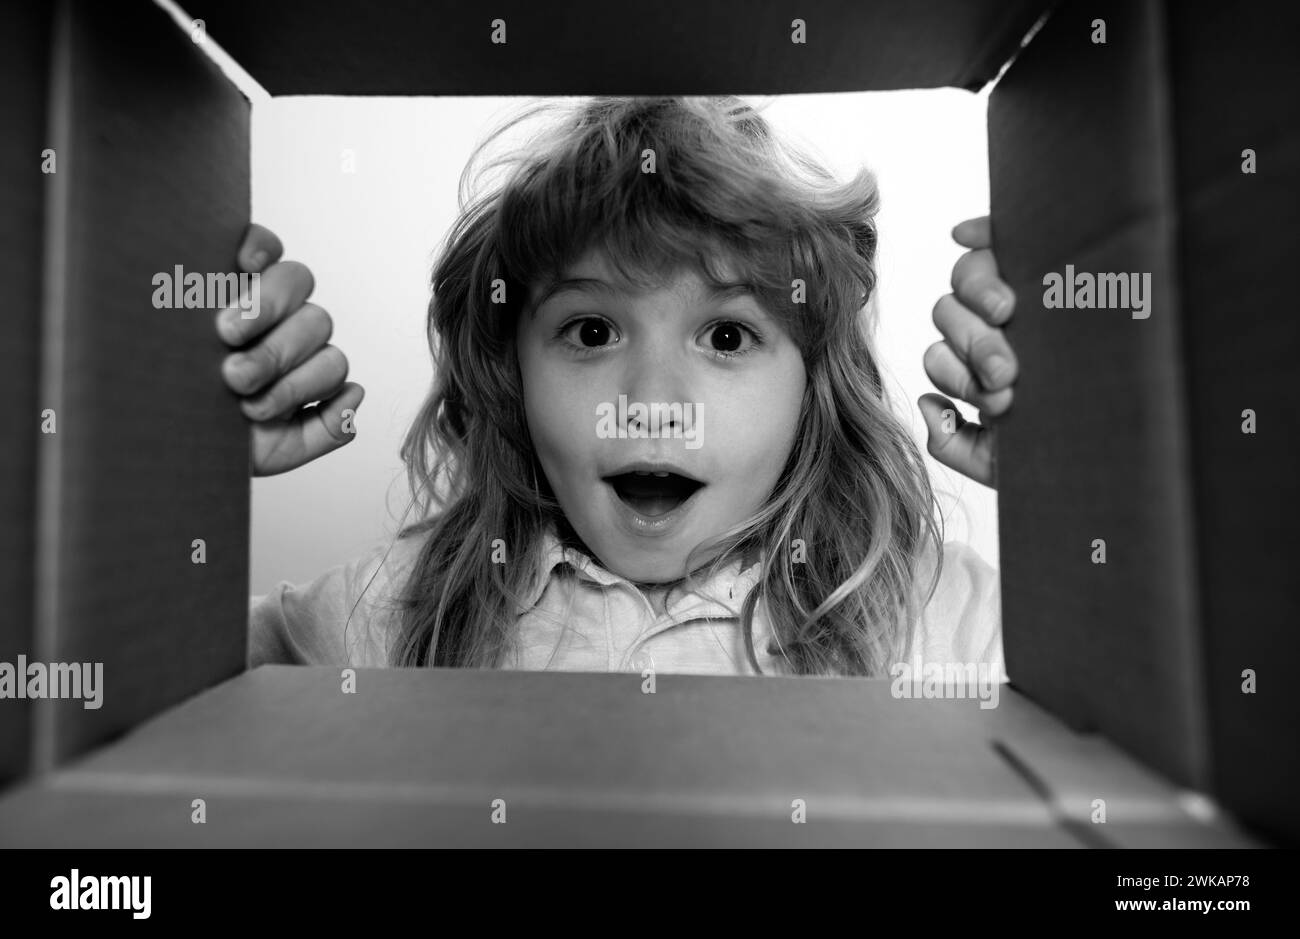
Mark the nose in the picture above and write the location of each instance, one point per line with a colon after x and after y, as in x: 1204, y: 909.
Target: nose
x: 658, y: 372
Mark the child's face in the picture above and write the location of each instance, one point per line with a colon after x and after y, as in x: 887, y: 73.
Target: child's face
x: 737, y: 375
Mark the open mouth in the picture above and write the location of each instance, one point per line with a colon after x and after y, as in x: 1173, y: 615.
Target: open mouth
x: 653, y: 493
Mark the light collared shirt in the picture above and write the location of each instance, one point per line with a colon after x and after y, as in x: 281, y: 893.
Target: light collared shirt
x: 578, y: 616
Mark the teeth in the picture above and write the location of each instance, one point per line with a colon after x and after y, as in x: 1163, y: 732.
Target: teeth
x: 662, y: 474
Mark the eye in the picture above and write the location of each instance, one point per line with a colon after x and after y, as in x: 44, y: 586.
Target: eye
x: 588, y: 333
x: 729, y: 339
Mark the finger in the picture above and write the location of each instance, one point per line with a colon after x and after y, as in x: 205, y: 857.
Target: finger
x: 982, y: 347
x: 976, y: 283
x: 959, y: 444
x: 316, y: 379
x: 974, y: 233
x: 260, y: 249
x: 296, y: 339
x: 282, y: 288
x: 951, y: 376
x: 313, y: 432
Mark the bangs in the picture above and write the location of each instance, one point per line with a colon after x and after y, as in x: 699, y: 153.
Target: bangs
x: 659, y: 186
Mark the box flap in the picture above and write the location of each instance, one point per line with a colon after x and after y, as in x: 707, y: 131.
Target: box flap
x: 151, y: 451
x: 411, y: 47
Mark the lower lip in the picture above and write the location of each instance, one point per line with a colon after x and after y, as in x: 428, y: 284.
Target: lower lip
x: 655, y: 526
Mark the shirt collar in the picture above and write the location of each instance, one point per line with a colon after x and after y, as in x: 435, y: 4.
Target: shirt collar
x: 727, y: 589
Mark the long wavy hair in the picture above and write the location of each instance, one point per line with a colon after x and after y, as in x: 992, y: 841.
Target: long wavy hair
x: 841, y: 537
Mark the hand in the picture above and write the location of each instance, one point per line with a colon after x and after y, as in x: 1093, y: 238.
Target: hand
x: 974, y: 362
x: 285, y: 363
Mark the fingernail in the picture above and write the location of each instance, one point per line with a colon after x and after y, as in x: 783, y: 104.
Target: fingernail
x: 995, y: 304
x: 240, y: 367
x: 257, y: 408
x: 228, y: 325
x: 259, y: 259
x: 995, y: 367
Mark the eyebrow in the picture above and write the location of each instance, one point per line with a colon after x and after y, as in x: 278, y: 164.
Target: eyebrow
x: 594, y: 285
x: 570, y: 285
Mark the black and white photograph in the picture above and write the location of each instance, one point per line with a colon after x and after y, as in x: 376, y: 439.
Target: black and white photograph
x: 709, y: 425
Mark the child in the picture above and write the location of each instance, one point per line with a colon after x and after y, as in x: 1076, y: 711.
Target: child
x: 658, y: 436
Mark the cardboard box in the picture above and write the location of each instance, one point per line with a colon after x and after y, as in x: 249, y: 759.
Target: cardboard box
x: 23, y: 76
x: 1111, y: 158
x: 149, y: 451
x: 1127, y: 157
x: 282, y: 756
